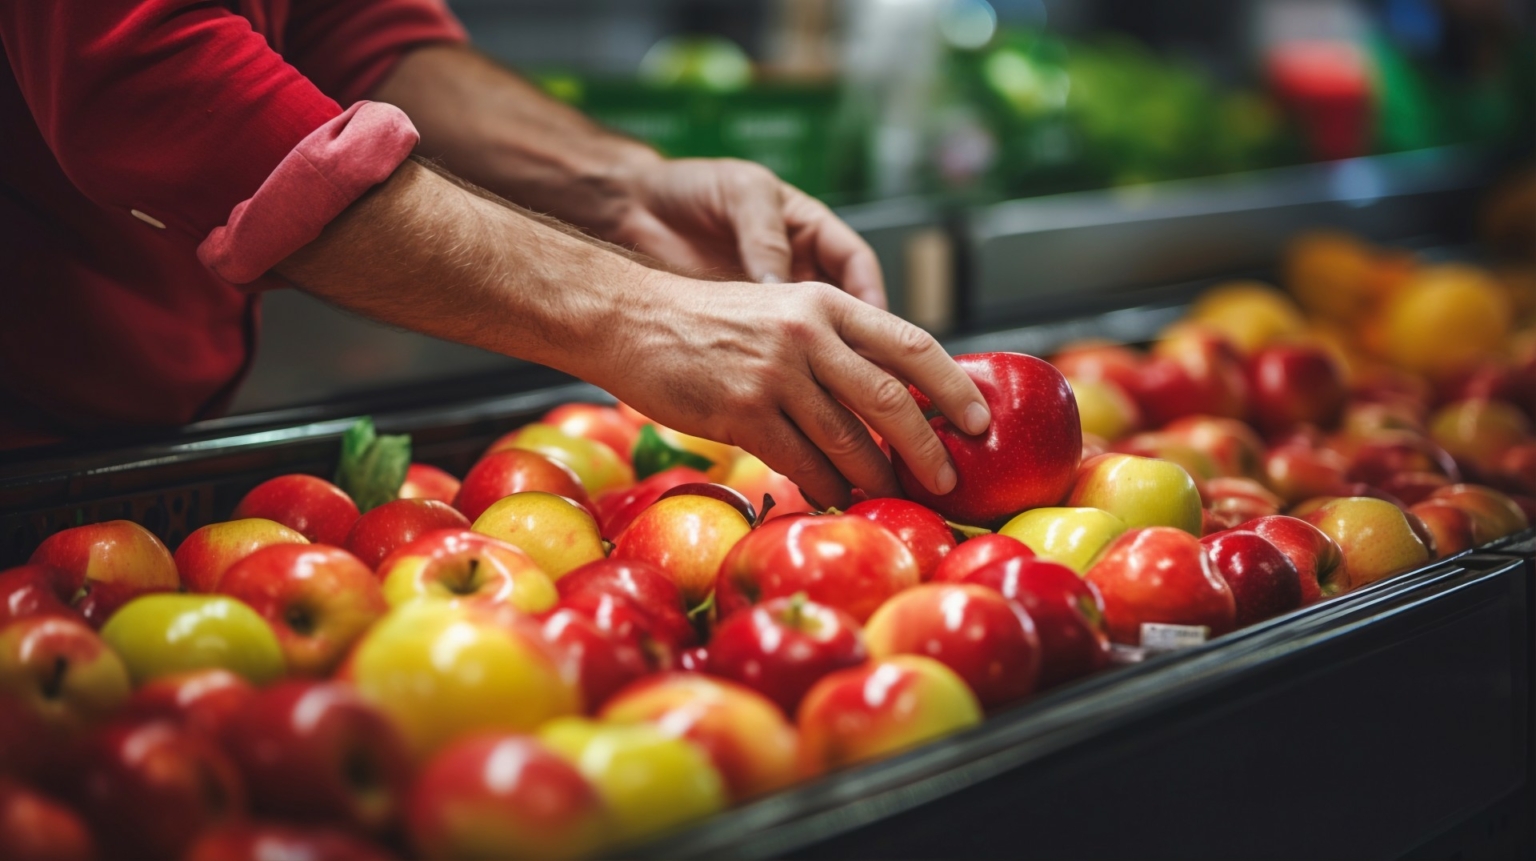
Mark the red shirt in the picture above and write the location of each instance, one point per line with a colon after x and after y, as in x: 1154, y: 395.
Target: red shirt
x: 179, y: 111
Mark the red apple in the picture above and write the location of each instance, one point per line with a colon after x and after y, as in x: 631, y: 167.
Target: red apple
x: 1094, y: 361
x: 1232, y: 446
x: 463, y: 566
x: 105, y: 565
x: 317, y: 599
x: 267, y: 841
x: 686, y: 538
x: 1450, y: 526
x: 1205, y: 382
x: 1414, y: 487
x: 598, y: 423
x: 1494, y: 514
x: 1067, y: 611
x: 925, y: 533
x: 34, y: 590
x: 505, y: 796
x: 32, y: 748
x: 988, y: 641
x: 1386, y: 454
x: 841, y: 561
x: 652, y: 592
x: 60, y: 670
x: 1162, y: 575
x: 1377, y: 538
x: 310, y: 506
x: 1294, y: 384
x: 395, y: 524
x: 1317, y: 557
x: 978, y: 552
x: 694, y: 660
x: 730, y: 496
x: 317, y: 752
x: 503, y: 473
x: 1029, y: 453
x: 781, y: 647
x: 34, y: 827
x: 1231, y: 501
x: 880, y: 708
x: 601, y: 659
x: 1264, y: 581
x: 423, y: 481
x: 207, y: 553
x: 1300, y: 472
x: 616, y: 509
x: 201, y: 700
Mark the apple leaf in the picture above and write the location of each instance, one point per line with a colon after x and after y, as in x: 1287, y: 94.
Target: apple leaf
x: 968, y: 531
x: 654, y: 454
x: 372, y: 467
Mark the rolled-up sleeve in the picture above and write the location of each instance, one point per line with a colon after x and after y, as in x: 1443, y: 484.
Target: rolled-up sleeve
x: 347, y: 46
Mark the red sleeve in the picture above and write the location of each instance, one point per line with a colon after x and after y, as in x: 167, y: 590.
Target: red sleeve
x: 347, y: 46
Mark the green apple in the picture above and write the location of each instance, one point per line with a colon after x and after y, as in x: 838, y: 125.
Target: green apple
x: 599, y: 467
x: 1071, y: 536
x: 1104, y: 408
x: 158, y: 635
x: 1141, y: 491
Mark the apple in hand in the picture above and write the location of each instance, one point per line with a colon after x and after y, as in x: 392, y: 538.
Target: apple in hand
x: 504, y: 796
x: 200, y: 700
x: 387, y: 528
x: 598, y: 423
x: 650, y: 781
x: 652, y: 592
x: 424, y: 481
x: 881, y: 708
x: 1375, y: 537
x: 60, y: 671
x: 979, y: 551
x: 1450, y: 526
x: 841, y: 561
x: 1073, y: 537
x: 989, y: 641
x: 310, y: 506
x: 685, y: 537
x: 161, y: 635
x: 1067, y: 611
x: 463, y: 566
x: 1317, y: 557
x: 752, y: 745
x: 318, y: 600
x: 34, y: 590
x: 103, y: 566
x: 780, y: 648
x: 1263, y: 580
x: 557, y: 533
x: 503, y: 473
x: 208, y: 552
x: 925, y: 533
x: 268, y: 841
x: 1026, y: 457
x: 315, y: 751
x: 1295, y: 384
x: 598, y: 466
x: 1139, y: 491
x: 34, y: 827
x: 600, y: 656
x: 1163, y: 575
x: 616, y: 509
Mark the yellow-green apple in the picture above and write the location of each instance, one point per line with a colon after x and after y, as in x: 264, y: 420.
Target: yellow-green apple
x: 318, y: 600
x: 463, y: 566
x: 1478, y: 432
x: 881, y: 708
x: 1160, y: 575
x: 207, y: 553
x: 598, y: 423
x: 1071, y: 536
x: 1230, y: 501
x: 650, y: 781
x: 385, y: 529
x: 441, y: 671
x: 989, y: 641
x: 616, y: 509
x: 1162, y: 446
x: 1067, y: 610
x: 1264, y: 581
x: 838, y: 560
x: 424, y: 481
x: 652, y: 592
x: 557, y: 533
x: 201, y: 700
x: 601, y: 656
x: 148, y: 788
x: 1494, y: 514
x: 756, y: 480
x: 684, y: 537
x: 160, y: 635
x: 1295, y: 384
x: 106, y: 565
x: 1317, y: 557
x: 317, y: 752
x: 925, y: 533
x: 977, y: 551
x: 1231, y: 445
x: 752, y: 745
x: 265, y: 841
x: 1139, y: 491
x: 35, y: 590
x: 599, y: 467
x: 1451, y: 526
x: 310, y: 506
x: 781, y: 647
x: 34, y: 827
x: 1027, y: 455
x: 1374, y: 536
x: 1093, y: 361
x: 1301, y: 472
x: 503, y: 473
x: 504, y: 796
x: 1104, y: 409
x: 61, y: 671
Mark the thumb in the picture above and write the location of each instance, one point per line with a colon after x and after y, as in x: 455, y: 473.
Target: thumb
x: 762, y: 239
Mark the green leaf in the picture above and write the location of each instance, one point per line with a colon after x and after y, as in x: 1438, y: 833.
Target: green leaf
x: 968, y: 531
x: 654, y: 454
x: 372, y: 467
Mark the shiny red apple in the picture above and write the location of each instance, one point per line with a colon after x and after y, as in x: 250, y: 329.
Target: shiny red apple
x: 651, y: 591
x: 616, y: 509
x: 503, y: 473
x: 310, y: 506
x: 1295, y: 384
x: 781, y: 647
x: 1264, y: 581
x: 424, y: 481
x: 978, y: 552
x: 1316, y: 556
x: 1067, y: 610
x: 1160, y: 575
x: 394, y: 524
x: 925, y: 533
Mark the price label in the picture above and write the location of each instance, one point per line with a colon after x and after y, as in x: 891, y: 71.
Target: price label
x: 1157, y: 638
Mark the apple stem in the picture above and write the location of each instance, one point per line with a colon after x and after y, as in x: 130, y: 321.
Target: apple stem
x: 762, y: 511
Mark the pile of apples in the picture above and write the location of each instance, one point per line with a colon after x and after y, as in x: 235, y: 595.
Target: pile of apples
x: 608, y: 628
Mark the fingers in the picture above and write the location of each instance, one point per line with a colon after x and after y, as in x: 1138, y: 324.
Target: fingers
x: 841, y: 253
x: 781, y: 445
x: 842, y: 438
x: 756, y: 211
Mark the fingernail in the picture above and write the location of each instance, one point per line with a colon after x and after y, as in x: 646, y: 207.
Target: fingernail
x: 977, y: 417
x: 947, y: 479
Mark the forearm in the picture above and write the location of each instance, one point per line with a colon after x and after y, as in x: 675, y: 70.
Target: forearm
x: 502, y: 133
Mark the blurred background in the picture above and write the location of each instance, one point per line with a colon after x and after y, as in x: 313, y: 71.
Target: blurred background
x: 1012, y: 160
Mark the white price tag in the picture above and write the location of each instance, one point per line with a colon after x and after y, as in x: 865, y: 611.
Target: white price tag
x: 1157, y: 638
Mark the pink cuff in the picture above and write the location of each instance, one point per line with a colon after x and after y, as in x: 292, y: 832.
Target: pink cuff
x: 322, y: 176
